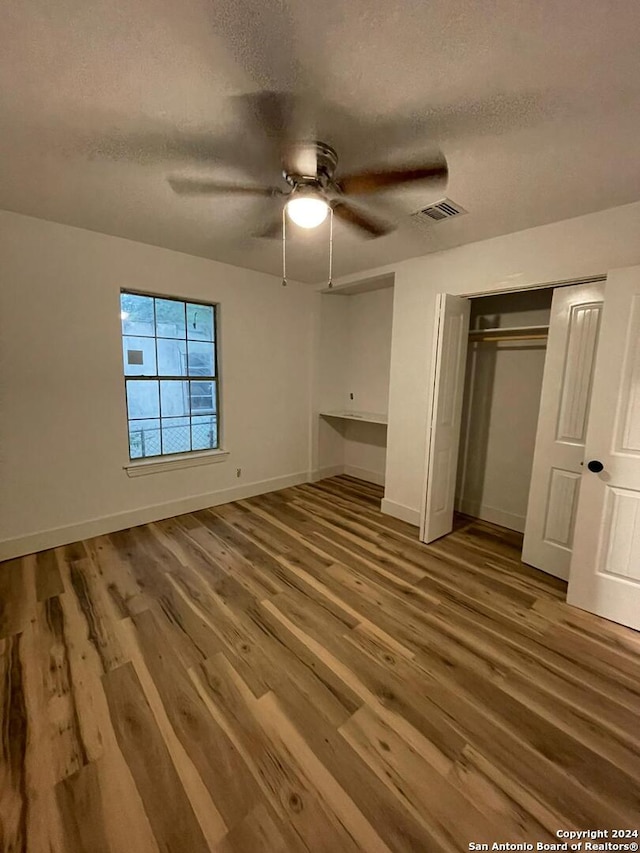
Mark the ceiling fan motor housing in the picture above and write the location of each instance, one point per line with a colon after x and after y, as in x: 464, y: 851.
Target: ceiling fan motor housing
x: 326, y: 162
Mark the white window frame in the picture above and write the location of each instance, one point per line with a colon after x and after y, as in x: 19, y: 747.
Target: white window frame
x: 165, y: 461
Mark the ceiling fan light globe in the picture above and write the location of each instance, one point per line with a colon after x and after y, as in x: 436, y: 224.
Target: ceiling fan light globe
x: 307, y: 211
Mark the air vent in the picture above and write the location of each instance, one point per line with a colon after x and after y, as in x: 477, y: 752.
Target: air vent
x: 438, y: 212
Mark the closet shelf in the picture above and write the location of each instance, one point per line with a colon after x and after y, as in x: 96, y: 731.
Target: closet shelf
x: 511, y: 333
x: 367, y: 417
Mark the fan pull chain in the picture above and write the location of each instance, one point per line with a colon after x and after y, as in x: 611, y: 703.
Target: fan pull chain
x: 284, y: 247
x: 330, y: 247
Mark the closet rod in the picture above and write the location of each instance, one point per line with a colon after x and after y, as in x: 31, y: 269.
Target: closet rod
x: 482, y: 338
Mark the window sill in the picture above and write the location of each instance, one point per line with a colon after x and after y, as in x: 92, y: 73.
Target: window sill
x: 171, y: 463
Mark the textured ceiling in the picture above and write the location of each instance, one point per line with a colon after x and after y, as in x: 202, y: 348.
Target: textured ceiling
x: 535, y: 105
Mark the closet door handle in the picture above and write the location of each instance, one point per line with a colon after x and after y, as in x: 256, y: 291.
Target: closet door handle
x: 595, y: 466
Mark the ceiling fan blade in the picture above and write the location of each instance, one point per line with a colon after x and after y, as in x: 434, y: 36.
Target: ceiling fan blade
x: 268, y: 112
x: 363, y: 221
x: 287, y: 121
x: 195, y: 186
x: 372, y: 181
x: 273, y: 231
x: 161, y: 143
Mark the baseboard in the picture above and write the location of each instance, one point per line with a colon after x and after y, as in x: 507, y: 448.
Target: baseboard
x: 20, y: 546
x: 404, y: 513
x: 364, y: 474
x: 493, y: 515
x: 323, y: 473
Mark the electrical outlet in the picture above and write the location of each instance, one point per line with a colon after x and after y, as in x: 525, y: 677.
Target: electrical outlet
x: 238, y: 472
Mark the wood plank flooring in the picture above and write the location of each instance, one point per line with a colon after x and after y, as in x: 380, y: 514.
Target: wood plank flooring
x: 297, y: 672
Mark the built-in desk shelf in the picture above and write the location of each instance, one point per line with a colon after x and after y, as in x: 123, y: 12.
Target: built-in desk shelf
x: 366, y: 417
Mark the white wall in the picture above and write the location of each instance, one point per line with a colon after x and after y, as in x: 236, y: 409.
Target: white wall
x: 365, y: 451
x: 369, y: 361
x: 571, y: 249
x: 62, y: 420
x: 63, y: 428
x: 500, y: 416
x: 329, y: 385
x: 369, y: 349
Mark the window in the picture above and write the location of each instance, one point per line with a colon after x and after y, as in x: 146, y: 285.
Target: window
x: 170, y: 368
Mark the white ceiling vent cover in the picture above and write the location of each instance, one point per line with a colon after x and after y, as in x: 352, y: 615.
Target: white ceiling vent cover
x: 438, y: 212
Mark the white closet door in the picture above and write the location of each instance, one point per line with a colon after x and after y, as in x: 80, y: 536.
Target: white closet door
x: 450, y: 350
x: 562, y: 427
x: 605, y: 567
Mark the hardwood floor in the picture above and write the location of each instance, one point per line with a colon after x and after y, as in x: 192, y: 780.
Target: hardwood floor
x: 296, y: 672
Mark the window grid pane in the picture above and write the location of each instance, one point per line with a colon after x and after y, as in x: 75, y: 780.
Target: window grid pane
x: 176, y: 435
x: 139, y: 354
x: 137, y: 314
x: 168, y: 413
x: 204, y: 432
x: 171, y: 319
x: 144, y: 438
x: 201, y: 358
x: 200, y: 322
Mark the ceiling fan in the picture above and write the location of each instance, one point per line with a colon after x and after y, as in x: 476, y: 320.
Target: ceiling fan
x: 277, y: 126
x: 314, y: 189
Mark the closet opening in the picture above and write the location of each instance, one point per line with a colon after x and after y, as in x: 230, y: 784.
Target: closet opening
x: 511, y: 396
x: 505, y: 361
